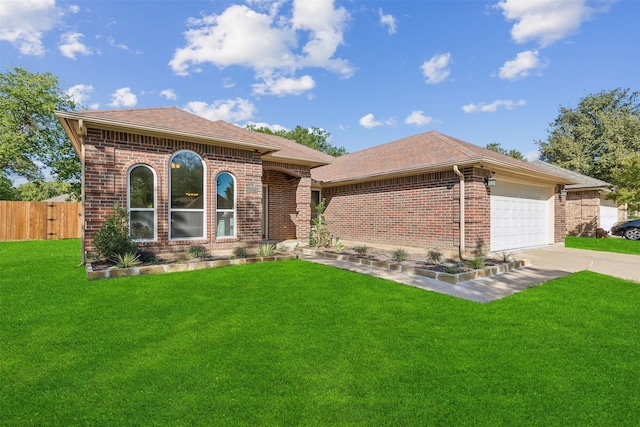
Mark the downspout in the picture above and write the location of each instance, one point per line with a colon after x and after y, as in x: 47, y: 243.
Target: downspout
x: 462, y: 217
x: 82, y: 132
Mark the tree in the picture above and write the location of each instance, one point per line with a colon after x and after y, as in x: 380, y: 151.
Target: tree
x: 313, y: 137
x: 7, y: 191
x: 42, y: 190
x: 30, y: 134
x: 627, y: 179
x: 495, y: 146
x: 597, y: 137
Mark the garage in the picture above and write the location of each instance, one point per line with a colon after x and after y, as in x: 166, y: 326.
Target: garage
x: 608, y: 213
x: 521, y: 216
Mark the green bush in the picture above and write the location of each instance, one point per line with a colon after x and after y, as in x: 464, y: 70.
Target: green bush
x: 240, y: 252
x: 113, y: 237
x: 360, y: 250
x: 127, y: 260
x: 197, y: 251
x: 267, y: 249
x: 338, y: 246
x: 476, y: 263
x: 434, y: 256
x: 319, y: 236
x: 399, y: 255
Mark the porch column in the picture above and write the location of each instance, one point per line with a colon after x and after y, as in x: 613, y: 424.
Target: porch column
x: 303, y: 208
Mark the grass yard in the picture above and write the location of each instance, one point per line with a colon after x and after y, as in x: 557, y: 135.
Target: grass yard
x: 295, y: 343
x: 611, y: 244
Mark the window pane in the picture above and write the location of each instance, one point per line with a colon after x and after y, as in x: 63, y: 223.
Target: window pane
x: 187, y: 183
x: 142, y: 225
x: 225, y: 224
x: 186, y: 225
x: 225, y: 191
x: 141, y: 187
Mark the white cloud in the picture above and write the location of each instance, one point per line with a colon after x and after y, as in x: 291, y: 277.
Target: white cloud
x: 80, y: 93
x: 267, y: 43
x: 229, y: 110
x: 521, y: 65
x: 169, y: 94
x: 388, y: 21
x: 532, y: 156
x: 24, y: 23
x: 418, y: 118
x: 435, y: 69
x: 284, y: 86
x: 368, y: 121
x: 70, y: 45
x: 274, y: 128
x: 228, y: 83
x: 74, y: 8
x: 546, y: 21
x: 123, y: 98
x: 493, y: 107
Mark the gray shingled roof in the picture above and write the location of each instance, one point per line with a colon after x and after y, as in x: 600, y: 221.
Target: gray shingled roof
x: 584, y: 181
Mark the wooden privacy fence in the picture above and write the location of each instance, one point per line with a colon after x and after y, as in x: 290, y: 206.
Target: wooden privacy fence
x: 40, y: 220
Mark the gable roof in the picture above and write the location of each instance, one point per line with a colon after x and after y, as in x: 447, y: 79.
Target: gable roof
x: 176, y: 123
x: 584, y: 182
x: 425, y: 152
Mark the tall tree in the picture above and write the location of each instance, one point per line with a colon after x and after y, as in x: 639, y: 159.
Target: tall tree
x: 495, y: 146
x: 31, y: 136
x: 598, y: 136
x: 627, y: 179
x: 42, y: 190
x: 7, y: 190
x: 313, y: 137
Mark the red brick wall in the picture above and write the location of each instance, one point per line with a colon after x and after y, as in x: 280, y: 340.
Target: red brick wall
x: 560, y: 217
x: 419, y: 211
x: 109, y: 154
x: 583, y: 213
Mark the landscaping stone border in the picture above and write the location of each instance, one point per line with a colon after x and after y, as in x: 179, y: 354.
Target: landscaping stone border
x: 436, y: 275
x: 176, y: 267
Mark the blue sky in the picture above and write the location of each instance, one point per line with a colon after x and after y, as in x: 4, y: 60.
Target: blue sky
x: 368, y: 72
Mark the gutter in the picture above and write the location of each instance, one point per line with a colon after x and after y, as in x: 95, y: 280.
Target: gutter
x: 461, y: 247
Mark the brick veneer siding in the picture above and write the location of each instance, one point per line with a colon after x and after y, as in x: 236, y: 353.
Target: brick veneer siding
x: 559, y: 217
x: 583, y: 213
x: 420, y: 211
x: 109, y: 155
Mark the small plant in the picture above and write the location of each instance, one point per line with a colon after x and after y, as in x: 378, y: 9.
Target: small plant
x: 450, y: 270
x: 240, y: 252
x: 506, y: 256
x: 267, y: 249
x: 146, y: 256
x: 338, y: 246
x: 319, y: 236
x: 360, y: 250
x: 434, y: 256
x: 113, y: 237
x: 197, y: 251
x: 399, y: 255
x: 127, y: 260
x: 477, y: 262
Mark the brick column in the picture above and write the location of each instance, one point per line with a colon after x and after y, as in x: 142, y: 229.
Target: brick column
x: 302, y: 218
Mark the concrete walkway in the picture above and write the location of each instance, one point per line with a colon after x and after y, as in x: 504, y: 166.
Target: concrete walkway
x: 547, y: 263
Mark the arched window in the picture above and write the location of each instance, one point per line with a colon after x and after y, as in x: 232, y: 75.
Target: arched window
x: 186, y: 196
x: 141, y: 202
x: 225, y: 205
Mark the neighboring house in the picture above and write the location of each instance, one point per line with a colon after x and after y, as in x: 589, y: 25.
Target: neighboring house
x: 189, y: 181
x: 587, y: 205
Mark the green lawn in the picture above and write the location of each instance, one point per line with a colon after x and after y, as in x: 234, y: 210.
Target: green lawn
x: 295, y: 343
x: 610, y: 244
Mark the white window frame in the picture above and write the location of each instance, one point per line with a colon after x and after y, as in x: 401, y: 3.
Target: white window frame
x: 235, y: 206
x: 204, y: 199
x: 155, y: 202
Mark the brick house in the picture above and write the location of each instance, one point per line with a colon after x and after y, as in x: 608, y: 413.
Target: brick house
x: 587, y: 205
x: 189, y: 181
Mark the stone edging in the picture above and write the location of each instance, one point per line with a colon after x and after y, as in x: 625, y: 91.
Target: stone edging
x: 437, y: 275
x: 171, y: 268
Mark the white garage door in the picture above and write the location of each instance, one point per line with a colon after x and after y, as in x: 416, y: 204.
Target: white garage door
x: 608, y: 213
x: 521, y: 216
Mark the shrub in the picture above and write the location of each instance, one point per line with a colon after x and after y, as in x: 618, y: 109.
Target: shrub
x: 319, y: 235
x: 197, y: 251
x: 434, y: 256
x: 113, y: 237
x: 476, y: 263
x: 146, y: 256
x: 339, y: 246
x: 399, y: 255
x: 506, y: 256
x: 360, y: 250
x: 266, y: 249
x: 127, y: 260
x: 240, y: 252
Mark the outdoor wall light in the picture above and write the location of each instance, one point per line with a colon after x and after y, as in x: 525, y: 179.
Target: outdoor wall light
x: 490, y: 181
x: 562, y: 192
